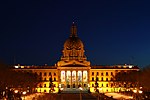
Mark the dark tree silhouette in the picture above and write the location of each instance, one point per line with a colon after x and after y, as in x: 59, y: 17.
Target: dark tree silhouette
x: 126, y: 80
x: 144, y: 78
x: 17, y: 79
x: 51, y: 85
x: 96, y: 84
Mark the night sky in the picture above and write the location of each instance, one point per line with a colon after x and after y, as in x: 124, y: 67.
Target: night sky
x: 113, y: 31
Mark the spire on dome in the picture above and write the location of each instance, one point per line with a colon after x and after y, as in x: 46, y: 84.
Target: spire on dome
x: 73, y: 30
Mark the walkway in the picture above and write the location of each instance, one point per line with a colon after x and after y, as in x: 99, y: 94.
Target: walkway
x: 119, y: 96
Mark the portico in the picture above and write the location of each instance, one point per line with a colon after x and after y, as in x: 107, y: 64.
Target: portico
x: 74, y: 77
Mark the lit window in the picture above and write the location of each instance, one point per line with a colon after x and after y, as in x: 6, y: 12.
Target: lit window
x: 102, y: 79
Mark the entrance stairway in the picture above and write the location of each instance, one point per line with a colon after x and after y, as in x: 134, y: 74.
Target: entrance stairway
x: 74, y: 91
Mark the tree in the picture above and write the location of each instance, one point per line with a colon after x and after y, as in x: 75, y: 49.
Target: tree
x: 96, y: 84
x: 126, y: 79
x: 17, y: 79
x: 51, y: 85
x: 144, y: 77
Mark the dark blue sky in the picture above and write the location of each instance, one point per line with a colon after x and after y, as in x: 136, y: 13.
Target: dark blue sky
x: 113, y: 31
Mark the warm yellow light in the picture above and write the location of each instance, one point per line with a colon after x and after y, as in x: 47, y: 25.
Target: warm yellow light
x: 140, y: 87
x: 24, y: 92
x: 140, y: 91
x: 135, y: 91
x: 89, y: 85
x: 130, y: 66
x: 16, y: 66
x: 80, y: 88
x: 16, y: 91
x: 61, y: 89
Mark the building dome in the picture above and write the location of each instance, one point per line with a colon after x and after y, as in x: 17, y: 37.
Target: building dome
x: 73, y: 51
x: 73, y: 43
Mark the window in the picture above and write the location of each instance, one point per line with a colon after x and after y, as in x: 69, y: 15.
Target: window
x: 40, y: 78
x: 106, y: 79
x: 50, y: 74
x: 44, y: 85
x: 54, y: 74
x: 35, y: 73
x: 111, y: 85
x: 111, y: 73
x: 54, y: 79
x: 44, y: 79
x: 50, y: 79
x: 102, y: 79
x: 92, y: 73
x: 40, y: 85
x: 40, y: 73
x: 44, y: 90
x: 106, y: 85
x: 97, y: 73
x: 111, y: 79
x: 102, y: 85
x: 45, y: 74
x: 97, y: 79
x: 92, y: 78
x: 102, y: 74
x: 92, y: 85
x: 106, y: 73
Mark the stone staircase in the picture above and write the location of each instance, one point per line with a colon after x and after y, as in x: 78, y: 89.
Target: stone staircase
x: 74, y: 91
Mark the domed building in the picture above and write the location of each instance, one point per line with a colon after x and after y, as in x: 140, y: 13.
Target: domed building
x: 73, y: 52
x: 74, y: 72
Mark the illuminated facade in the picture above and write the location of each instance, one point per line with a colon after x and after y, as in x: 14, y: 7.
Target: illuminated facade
x: 74, y: 71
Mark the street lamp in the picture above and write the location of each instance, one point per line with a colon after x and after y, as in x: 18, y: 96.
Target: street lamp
x: 24, y: 93
x: 140, y: 91
x: 80, y: 92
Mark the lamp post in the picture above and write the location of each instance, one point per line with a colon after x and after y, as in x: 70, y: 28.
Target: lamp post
x: 137, y: 93
x: 24, y: 93
x: 80, y: 92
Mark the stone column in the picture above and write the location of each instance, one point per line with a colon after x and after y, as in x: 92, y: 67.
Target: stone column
x: 76, y: 79
x: 71, y: 80
x: 82, y: 78
x: 65, y: 79
x: 59, y: 76
x: 87, y: 78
